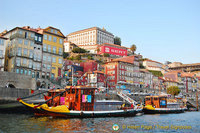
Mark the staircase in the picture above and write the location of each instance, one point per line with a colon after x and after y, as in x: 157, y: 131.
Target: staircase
x: 126, y: 98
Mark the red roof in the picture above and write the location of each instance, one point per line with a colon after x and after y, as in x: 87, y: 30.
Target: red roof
x: 128, y: 59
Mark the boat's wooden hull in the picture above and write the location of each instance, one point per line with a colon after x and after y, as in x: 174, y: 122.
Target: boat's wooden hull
x: 94, y: 114
x: 31, y: 107
x: 163, y: 110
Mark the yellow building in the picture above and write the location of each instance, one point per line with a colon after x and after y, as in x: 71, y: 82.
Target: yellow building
x: 52, y: 58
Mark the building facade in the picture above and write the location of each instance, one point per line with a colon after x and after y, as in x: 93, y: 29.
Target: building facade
x: 2, y: 52
x: 154, y: 65
x: 123, y: 72
x: 24, y: 51
x: 96, y: 79
x: 52, y: 59
x: 90, y: 37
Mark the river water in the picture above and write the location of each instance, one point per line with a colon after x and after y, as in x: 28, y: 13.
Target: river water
x: 188, y: 122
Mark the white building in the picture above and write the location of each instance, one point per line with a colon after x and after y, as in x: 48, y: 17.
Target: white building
x: 2, y: 52
x: 90, y: 37
x: 154, y: 65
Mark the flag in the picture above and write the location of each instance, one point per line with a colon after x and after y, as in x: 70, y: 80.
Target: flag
x: 32, y: 91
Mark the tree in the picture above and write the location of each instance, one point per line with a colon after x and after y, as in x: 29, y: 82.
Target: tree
x: 106, y: 55
x: 173, y: 90
x: 90, y: 57
x: 117, y: 40
x: 78, y: 57
x: 65, y: 55
x: 156, y: 73
x: 79, y: 50
x: 133, y: 48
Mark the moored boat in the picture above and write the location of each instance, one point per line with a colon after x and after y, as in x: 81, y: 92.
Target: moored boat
x: 79, y: 102
x: 35, y: 108
x: 159, y: 105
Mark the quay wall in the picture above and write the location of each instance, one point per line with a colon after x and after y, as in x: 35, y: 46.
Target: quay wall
x: 17, y: 80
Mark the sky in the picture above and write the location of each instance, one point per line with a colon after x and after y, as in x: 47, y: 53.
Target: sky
x: 162, y: 30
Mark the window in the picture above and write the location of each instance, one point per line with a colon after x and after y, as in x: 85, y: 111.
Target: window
x: 49, y: 38
x: 60, y: 61
x: 32, y: 43
x: 18, y: 60
x: 61, y: 41
x: 44, y: 66
x: 54, y: 59
x: 40, y: 39
x: 47, y: 75
x: 1, y: 53
x: 29, y: 72
x: 32, y: 35
x: 34, y: 65
x: 1, y: 42
x: 44, y: 47
x: 33, y: 74
x: 25, y: 72
x: 52, y: 30
x: 52, y: 75
x: 36, y: 38
x: 48, y: 67
x: 25, y: 52
x: 54, y: 39
x: 56, y: 31
x: 43, y: 75
x: 38, y: 66
x: 49, y: 58
x: 60, y: 51
x: 30, y: 64
x: 35, y: 57
x: 26, y: 34
x: 39, y: 58
x: 37, y: 75
x: 21, y: 71
x: 17, y: 70
x: 20, y: 41
x: 20, y: 32
x: 44, y: 58
x: 54, y: 49
x: 31, y: 53
x: 53, y: 68
x: 45, y: 37
x: 24, y: 61
x: 49, y: 48
x: 19, y: 51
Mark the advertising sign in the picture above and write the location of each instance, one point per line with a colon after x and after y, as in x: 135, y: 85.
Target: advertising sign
x: 114, y: 51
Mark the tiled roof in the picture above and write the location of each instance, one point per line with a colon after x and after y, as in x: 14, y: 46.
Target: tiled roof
x: 127, y: 59
x: 152, y: 61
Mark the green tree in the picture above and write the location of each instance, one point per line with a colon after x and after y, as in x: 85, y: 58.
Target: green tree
x: 65, y: 55
x: 90, y: 57
x: 133, y: 48
x: 79, y: 50
x: 156, y: 73
x: 117, y: 40
x: 71, y: 58
x: 173, y: 90
x: 78, y: 57
x: 106, y: 55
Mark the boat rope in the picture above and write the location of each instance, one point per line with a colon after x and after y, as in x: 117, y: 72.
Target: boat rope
x: 52, y: 98
x: 31, y: 95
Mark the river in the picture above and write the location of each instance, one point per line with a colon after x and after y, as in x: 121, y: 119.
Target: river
x: 188, y: 122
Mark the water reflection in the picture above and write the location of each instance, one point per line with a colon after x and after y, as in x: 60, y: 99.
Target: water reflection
x: 29, y: 124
